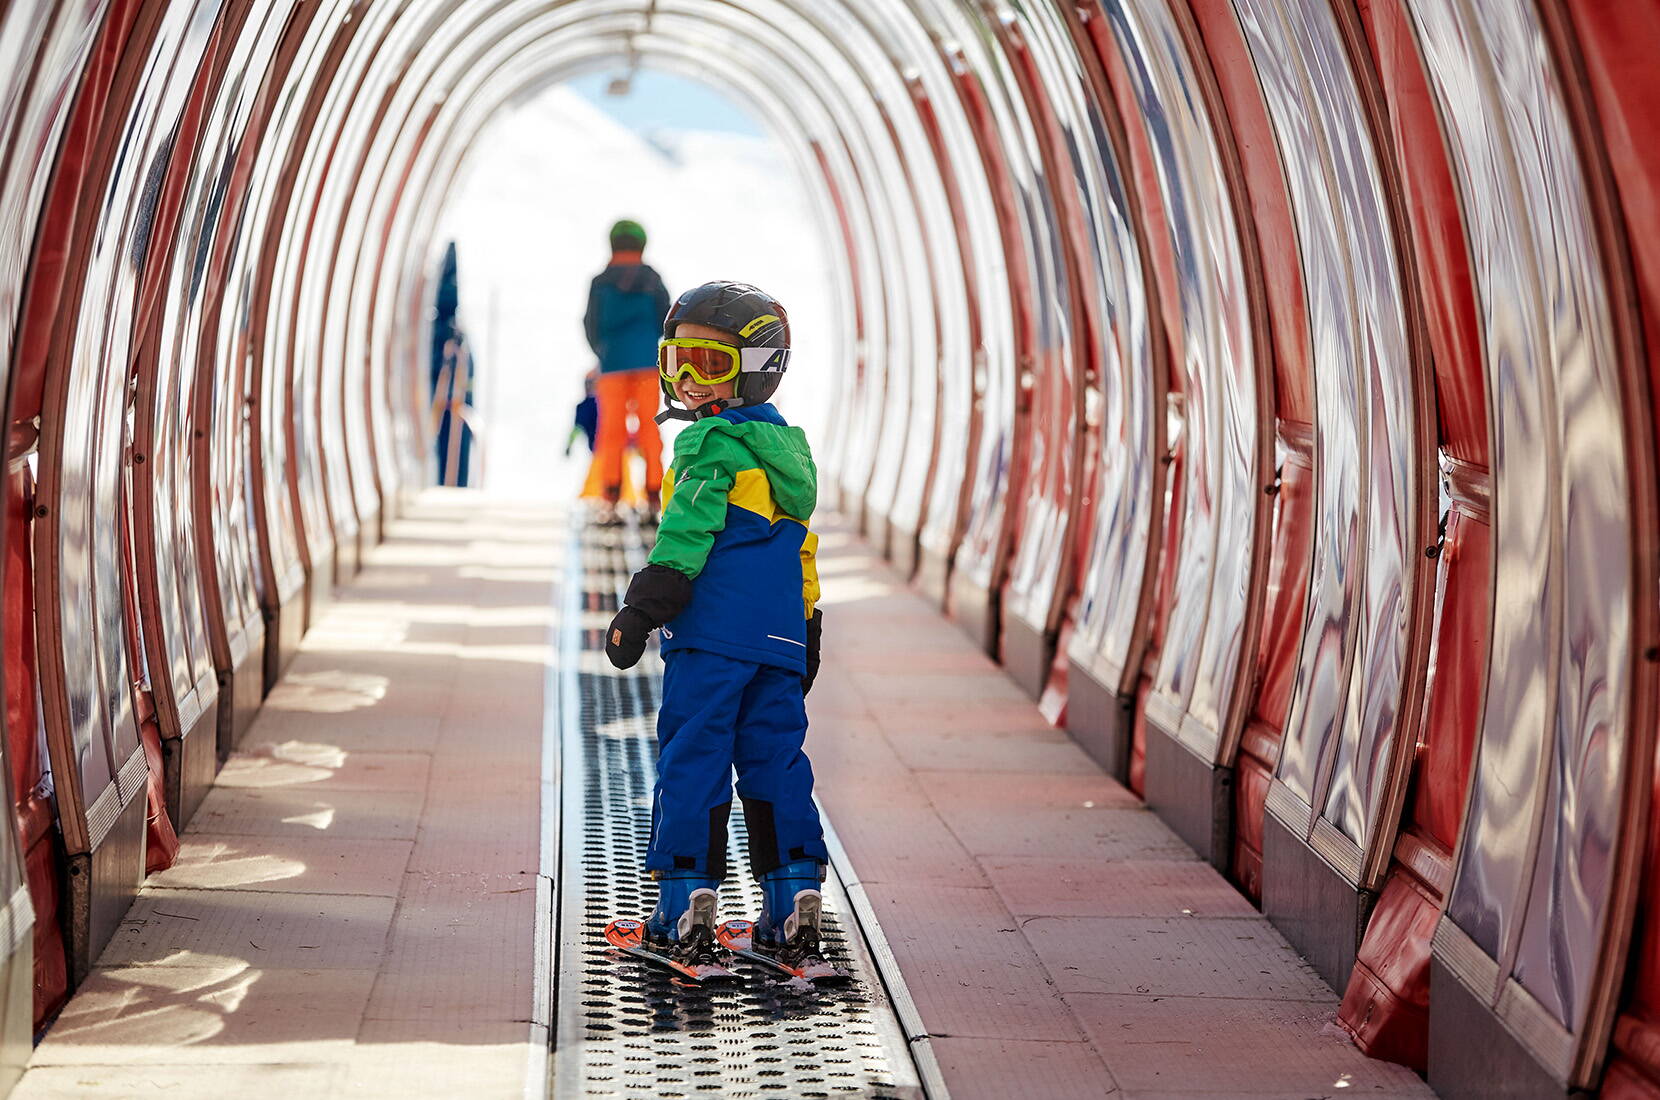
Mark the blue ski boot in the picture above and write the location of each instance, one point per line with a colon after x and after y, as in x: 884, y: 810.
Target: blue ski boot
x: 787, y: 935
x: 682, y: 926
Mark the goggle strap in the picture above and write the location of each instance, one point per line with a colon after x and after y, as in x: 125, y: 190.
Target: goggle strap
x: 763, y: 360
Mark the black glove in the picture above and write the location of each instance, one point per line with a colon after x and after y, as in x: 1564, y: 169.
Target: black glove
x: 656, y: 595
x: 815, y: 632
x: 625, y: 638
x: 660, y: 592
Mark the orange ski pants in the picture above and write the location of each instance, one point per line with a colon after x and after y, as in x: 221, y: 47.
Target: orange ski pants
x: 621, y: 395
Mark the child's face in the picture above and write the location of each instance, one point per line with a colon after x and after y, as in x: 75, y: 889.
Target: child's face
x: 695, y: 395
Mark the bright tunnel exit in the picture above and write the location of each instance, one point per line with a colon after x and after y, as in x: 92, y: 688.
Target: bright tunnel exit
x: 719, y: 197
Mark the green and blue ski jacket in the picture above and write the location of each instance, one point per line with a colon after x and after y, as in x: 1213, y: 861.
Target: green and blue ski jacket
x: 736, y: 503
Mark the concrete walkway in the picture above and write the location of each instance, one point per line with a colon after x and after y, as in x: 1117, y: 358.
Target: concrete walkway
x: 1058, y: 939
x: 352, y: 910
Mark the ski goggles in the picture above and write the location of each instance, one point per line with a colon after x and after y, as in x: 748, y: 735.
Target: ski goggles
x: 706, y: 362
x: 710, y: 362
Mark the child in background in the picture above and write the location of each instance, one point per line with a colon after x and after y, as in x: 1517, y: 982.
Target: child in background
x: 732, y: 583
x: 587, y: 414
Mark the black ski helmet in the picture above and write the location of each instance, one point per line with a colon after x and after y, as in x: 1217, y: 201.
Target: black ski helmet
x: 758, y: 324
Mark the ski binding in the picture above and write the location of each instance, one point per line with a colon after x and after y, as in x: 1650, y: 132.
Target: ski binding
x: 738, y: 937
x: 629, y: 937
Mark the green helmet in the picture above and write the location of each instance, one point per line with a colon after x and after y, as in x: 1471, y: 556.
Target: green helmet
x: 628, y: 235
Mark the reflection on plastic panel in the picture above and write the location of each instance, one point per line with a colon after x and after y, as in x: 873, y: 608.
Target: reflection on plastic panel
x: 55, y: 38
x: 61, y: 36
x: 27, y: 121
x: 907, y: 454
x: 221, y: 467
x: 1352, y: 674
x: 1200, y: 657
x: 260, y: 310
x: 987, y: 379
x: 318, y: 446
x: 865, y: 414
x: 352, y: 104
x: 377, y: 119
x: 868, y: 411
x: 1111, y: 586
x: 93, y: 449
x: 362, y: 268
x: 178, y: 420
x: 1554, y: 735
x: 992, y: 470
x: 960, y: 291
x: 1046, y: 507
x: 175, y: 60
x: 917, y: 208
x: 83, y: 674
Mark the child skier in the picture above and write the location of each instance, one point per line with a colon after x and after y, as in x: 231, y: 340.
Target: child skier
x: 732, y: 583
x: 586, y: 420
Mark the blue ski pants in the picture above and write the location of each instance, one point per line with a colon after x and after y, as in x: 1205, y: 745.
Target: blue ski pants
x: 719, y: 713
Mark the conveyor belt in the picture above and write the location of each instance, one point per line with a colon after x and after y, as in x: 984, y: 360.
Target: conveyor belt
x: 625, y: 1029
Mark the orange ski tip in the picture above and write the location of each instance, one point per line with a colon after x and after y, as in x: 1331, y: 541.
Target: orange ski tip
x: 736, y: 935
x: 624, y: 932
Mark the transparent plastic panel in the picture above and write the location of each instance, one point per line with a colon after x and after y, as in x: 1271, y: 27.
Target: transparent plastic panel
x: 1066, y: 308
x: 1213, y: 354
x: 221, y: 399
x: 319, y: 447
x: 1355, y: 652
x: 974, y: 226
x: 55, y: 38
x: 1554, y: 741
x: 996, y: 366
x: 1110, y: 588
x: 936, y: 329
x: 78, y: 619
x: 92, y: 509
x: 180, y: 420
x: 262, y: 342
x: 993, y: 470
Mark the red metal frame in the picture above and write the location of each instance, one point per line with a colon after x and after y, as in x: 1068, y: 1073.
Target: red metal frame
x: 42, y: 848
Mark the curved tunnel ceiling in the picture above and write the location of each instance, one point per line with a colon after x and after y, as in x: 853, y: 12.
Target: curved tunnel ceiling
x: 1266, y: 382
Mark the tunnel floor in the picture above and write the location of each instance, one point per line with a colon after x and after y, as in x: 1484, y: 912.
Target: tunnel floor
x: 397, y: 885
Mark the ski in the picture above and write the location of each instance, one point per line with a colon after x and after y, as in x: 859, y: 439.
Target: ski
x: 628, y: 936
x: 738, y: 937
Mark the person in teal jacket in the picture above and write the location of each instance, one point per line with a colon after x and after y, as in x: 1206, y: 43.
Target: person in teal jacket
x: 732, y: 583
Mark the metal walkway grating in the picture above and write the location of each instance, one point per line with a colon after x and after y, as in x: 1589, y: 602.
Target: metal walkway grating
x: 625, y: 1029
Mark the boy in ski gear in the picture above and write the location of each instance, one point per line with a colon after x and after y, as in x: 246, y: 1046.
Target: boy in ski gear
x: 626, y: 304
x: 732, y: 583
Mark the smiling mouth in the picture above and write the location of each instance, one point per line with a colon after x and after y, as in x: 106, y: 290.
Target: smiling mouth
x: 698, y: 395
